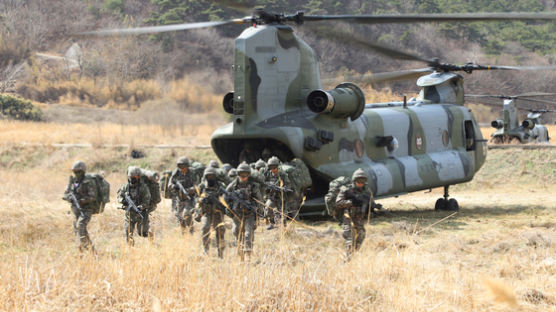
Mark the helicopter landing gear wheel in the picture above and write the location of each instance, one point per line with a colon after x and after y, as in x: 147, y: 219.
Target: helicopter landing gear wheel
x: 445, y: 203
x: 497, y: 140
x: 441, y: 204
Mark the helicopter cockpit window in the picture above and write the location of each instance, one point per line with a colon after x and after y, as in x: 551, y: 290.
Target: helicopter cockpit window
x: 431, y: 94
x: 469, y: 135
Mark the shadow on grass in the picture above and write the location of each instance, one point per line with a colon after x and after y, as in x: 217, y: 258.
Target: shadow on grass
x: 457, y: 221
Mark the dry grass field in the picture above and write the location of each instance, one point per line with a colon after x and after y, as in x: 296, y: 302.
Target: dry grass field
x: 497, y: 254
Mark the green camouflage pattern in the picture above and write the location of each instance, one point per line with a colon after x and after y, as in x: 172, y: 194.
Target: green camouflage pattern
x: 432, y: 141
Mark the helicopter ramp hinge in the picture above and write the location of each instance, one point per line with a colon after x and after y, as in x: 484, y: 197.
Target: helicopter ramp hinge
x: 325, y: 136
x: 311, y: 144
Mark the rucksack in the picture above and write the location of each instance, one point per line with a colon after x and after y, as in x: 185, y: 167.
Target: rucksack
x: 164, y: 184
x: 197, y: 169
x: 333, y: 191
x: 299, y: 174
x: 102, y: 190
x: 149, y: 178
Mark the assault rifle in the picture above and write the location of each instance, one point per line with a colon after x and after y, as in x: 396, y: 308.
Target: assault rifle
x: 131, y: 204
x: 182, y: 189
x: 76, y: 202
x: 237, y: 199
x: 362, y: 200
x: 277, y: 188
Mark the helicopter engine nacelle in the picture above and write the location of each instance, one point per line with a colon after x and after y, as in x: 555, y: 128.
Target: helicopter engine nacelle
x: 346, y: 100
x: 528, y: 124
x: 498, y: 124
x: 228, y: 102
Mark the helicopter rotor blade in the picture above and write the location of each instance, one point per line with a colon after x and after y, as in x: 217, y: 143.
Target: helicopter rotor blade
x: 382, y: 49
x: 159, y: 29
x: 416, y: 18
x: 386, y: 76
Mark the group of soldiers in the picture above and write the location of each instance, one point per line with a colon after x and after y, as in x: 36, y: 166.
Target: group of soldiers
x: 260, y: 190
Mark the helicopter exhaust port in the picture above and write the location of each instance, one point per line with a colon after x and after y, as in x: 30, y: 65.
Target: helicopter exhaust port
x: 346, y: 100
x: 498, y: 124
x: 528, y: 124
x: 228, y: 102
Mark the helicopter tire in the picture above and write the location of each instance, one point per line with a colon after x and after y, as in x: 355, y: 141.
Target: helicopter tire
x: 452, y: 205
x: 441, y: 204
x: 497, y: 140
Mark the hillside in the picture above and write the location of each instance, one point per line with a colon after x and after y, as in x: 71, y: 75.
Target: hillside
x: 191, y: 69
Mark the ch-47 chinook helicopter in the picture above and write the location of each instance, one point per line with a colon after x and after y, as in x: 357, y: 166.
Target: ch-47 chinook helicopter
x: 278, y: 103
x: 508, y: 129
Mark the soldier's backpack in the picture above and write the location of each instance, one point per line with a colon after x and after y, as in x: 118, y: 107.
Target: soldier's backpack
x: 149, y: 178
x: 299, y: 174
x: 164, y: 184
x: 333, y: 191
x: 197, y: 169
x: 102, y: 191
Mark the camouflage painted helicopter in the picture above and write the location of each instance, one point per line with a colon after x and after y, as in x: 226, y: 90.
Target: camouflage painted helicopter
x: 278, y: 104
x: 508, y: 129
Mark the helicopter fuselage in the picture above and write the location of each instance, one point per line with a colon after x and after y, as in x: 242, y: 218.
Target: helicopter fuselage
x: 402, y: 148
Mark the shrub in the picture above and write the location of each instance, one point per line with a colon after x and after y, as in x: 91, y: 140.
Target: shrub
x: 12, y: 107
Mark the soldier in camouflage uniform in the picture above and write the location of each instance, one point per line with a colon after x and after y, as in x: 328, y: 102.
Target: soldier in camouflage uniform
x: 244, y: 218
x: 209, y: 210
x: 276, y: 200
x: 248, y: 154
x: 140, y: 195
x: 232, y: 174
x: 85, y: 193
x: 354, y: 199
x: 260, y: 165
x: 183, y: 203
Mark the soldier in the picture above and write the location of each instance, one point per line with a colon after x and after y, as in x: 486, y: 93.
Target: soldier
x: 135, y: 198
x: 260, y: 165
x: 213, y: 164
x: 182, y: 182
x: 354, y: 199
x: 232, y: 174
x: 243, y: 210
x: 277, y: 185
x: 81, y: 193
x: 209, y: 210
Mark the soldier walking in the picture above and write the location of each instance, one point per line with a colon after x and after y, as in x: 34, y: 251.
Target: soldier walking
x: 135, y: 198
x: 183, y: 183
x: 209, y: 210
x: 82, y: 194
x: 354, y: 199
x: 276, y: 185
x: 242, y: 205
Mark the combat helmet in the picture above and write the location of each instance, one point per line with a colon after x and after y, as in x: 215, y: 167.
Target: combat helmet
x: 260, y: 164
x: 133, y: 171
x: 232, y: 173
x: 243, y: 167
x: 183, y: 161
x: 210, y: 171
x: 79, y: 166
x: 274, y: 161
x: 227, y: 167
x: 214, y: 164
x: 359, y: 173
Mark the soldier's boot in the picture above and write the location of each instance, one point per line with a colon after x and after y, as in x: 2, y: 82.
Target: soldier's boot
x: 221, y: 252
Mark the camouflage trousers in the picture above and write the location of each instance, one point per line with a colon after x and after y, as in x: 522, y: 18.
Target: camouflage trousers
x: 244, y: 230
x: 183, y: 210
x: 134, y: 221
x: 353, y: 231
x: 80, y: 227
x: 213, y: 218
x: 273, y: 210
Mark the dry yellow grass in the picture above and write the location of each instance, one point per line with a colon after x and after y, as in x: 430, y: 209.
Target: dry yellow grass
x: 17, y: 132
